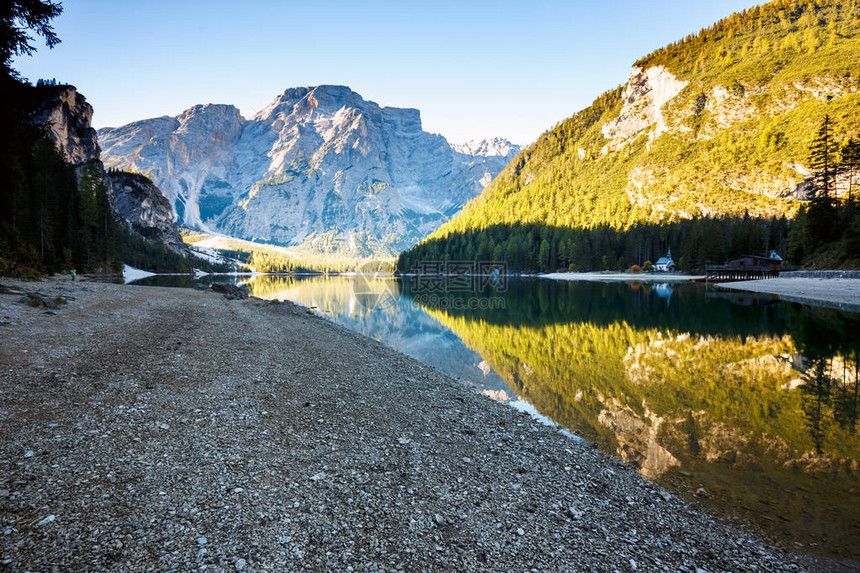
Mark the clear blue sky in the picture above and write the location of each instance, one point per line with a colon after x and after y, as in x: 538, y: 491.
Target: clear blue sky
x: 474, y: 68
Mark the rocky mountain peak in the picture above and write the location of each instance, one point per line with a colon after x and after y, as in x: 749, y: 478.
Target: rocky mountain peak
x: 314, y: 102
x: 129, y: 138
x: 403, y: 118
x: 319, y: 167
x: 223, y: 123
x: 492, y: 147
x: 211, y: 112
x: 66, y: 117
x: 305, y: 100
x: 331, y: 96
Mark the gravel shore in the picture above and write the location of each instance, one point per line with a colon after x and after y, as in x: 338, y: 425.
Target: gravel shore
x: 839, y: 293
x: 152, y: 429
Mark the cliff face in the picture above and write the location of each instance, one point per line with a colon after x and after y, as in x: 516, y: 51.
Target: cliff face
x: 67, y: 118
x: 655, y: 102
x: 138, y: 202
x: 318, y: 167
x: 645, y: 94
x: 186, y: 156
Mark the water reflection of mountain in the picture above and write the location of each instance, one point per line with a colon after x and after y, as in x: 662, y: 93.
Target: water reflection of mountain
x: 376, y: 309
x: 754, y: 402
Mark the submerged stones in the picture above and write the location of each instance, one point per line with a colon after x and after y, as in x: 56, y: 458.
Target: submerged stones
x: 230, y: 292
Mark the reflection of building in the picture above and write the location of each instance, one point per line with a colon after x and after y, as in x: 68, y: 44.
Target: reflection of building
x: 663, y: 290
x: 750, y: 298
x: 665, y: 264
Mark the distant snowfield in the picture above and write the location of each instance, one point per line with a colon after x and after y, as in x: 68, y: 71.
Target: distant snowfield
x: 131, y: 274
x: 217, y: 241
x: 207, y: 254
x: 647, y: 277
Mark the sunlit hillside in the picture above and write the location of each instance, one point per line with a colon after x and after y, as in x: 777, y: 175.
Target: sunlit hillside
x: 716, y: 125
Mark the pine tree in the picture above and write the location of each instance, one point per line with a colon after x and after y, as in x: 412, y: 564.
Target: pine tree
x: 823, y: 160
x: 17, y: 18
x: 850, y: 166
x: 821, y: 220
x: 543, y: 255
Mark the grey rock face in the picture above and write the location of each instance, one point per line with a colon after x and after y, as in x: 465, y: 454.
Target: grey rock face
x: 319, y: 166
x: 66, y: 117
x: 185, y: 155
x: 143, y: 207
x: 644, y: 96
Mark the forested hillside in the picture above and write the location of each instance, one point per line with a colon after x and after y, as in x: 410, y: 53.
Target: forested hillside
x: 49, y: 218
x: 706, y: 150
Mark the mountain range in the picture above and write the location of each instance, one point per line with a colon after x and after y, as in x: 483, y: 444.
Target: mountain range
x: 319, y: 168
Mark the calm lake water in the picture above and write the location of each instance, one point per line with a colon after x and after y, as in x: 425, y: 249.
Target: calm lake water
x: 742, y: 403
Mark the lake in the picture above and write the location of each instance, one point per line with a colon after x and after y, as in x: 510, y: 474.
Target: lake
x: 739, y: 402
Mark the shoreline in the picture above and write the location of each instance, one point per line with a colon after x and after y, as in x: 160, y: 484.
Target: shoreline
x: 141, y: 433
x: 837, y: 293
x: 828, y: 289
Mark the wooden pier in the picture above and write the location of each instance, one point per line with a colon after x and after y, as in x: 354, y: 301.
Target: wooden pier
x: 726, y: 273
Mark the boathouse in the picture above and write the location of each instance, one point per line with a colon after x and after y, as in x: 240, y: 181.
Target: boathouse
x: 748, y: 267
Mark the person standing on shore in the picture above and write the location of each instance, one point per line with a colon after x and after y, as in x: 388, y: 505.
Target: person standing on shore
x: 73, y: 272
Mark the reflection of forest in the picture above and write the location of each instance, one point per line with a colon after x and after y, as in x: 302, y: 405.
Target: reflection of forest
x: 748, y: 377
x: 656, y: 396
x: 830, y: 392
x: 757, y: 401
x: 691, y: 308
